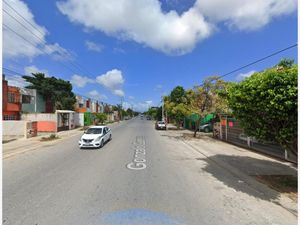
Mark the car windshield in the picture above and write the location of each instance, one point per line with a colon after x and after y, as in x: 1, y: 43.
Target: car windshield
x: 94, y: 131
x: 161, y: 122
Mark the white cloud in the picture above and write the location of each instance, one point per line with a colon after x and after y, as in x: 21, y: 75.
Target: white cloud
x: 97, y: 95
x: 16, y: 38
x: 28, y: 70
x: 140, y: 106
x: 246, y: 14
x: 118, y: 92
x: 93, y: 46
x: 16, y: 80
x: 131, y: 97
x: 112, y: 80
x: 242, y: 76
x: 144, y: 21
x: 80, y: 81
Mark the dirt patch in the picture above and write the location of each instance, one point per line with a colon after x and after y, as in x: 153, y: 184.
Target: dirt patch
x: 285, y: 184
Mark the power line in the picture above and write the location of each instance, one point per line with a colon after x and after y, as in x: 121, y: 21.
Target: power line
x: 47, y: 53
x: 33, y: 26
x: 21, y: 75
x: 41, y: 39
x: 12, y: 71
x: 259, y: 60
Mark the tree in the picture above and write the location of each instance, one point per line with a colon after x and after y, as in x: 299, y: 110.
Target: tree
x: 285, y: 63
x: 266, y: 106
x: 176, y: 105
x: 178, y: 95
x: 101, y: 117
x: 58, y: 91
x: 207, y: 98
x: 155, y: 113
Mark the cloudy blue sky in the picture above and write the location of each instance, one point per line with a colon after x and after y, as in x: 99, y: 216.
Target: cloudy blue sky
x: 140, y: 49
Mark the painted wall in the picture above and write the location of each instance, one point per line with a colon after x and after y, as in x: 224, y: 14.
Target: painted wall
x: 46, y: 126
x: 40, y: 117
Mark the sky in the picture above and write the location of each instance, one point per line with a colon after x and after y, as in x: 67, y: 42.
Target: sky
x: 135, y: 51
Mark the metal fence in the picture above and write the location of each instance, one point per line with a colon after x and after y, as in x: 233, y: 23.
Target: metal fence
x: 229, y: 130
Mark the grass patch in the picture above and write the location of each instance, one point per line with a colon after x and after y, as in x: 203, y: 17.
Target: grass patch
x: 286, y: 184
x: 50, y: 138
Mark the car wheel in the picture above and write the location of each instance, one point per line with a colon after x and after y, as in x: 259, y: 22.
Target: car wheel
x: 110, y: 137
x: 102, y: 143
x: 206, y: 129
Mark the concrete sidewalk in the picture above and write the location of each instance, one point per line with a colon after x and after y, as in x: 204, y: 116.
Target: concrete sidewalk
x: 240, y: 163
x: 24, y: 145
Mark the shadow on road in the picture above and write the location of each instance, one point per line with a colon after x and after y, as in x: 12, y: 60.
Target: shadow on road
x: 249, y: 166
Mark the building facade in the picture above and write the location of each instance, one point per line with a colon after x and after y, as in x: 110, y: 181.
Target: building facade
x: 11, y: 104
x: 32, y: 101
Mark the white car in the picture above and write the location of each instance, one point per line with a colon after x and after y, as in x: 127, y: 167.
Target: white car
x: 160, y: 125
x: 95, y: 137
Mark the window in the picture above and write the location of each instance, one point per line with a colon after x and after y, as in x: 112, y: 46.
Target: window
x: 94, y: 131
x: 9, y: 117
x: 27, y: 99
x: 11, y: 97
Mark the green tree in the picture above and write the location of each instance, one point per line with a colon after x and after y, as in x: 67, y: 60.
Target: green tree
x: 266, y: 106
x: 101, y: 117
x: 56, y: 90
x: 286, y: 63
x: 177, y: 105
x: 178, y: 95
x: 207, y: 98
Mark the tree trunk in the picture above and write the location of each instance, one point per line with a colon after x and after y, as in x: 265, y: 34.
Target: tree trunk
x: 196, y: 128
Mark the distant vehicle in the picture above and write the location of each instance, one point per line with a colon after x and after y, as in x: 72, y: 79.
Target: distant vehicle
x: 148, y: 117
x: 160, y: 125
x: 126, y: 118
x: 95, y: 137
x: 206, y: 127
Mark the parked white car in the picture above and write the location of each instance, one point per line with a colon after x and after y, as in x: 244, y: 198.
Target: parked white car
x: 95, y: 137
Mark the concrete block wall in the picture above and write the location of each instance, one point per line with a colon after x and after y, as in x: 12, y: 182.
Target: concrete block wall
x: 39, y: 117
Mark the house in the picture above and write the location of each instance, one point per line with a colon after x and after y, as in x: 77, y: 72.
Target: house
x: 11, y: 104
x: 32, y: 101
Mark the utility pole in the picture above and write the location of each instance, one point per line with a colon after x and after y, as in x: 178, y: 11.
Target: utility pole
x: 121, y: 108
x: 162, y: 109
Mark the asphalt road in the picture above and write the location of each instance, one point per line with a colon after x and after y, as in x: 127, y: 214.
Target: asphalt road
x: 62, y: 184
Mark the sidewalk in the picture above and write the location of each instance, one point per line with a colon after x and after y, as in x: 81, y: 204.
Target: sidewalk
x: 242, y: 164
x: 24, y: 145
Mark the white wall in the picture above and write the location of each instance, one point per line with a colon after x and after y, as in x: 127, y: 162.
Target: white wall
x: 79, y: 119
x: 13, y: 129
x: 39, y: 117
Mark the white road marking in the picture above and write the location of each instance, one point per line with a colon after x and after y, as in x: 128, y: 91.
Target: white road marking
x: 139, y: 160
